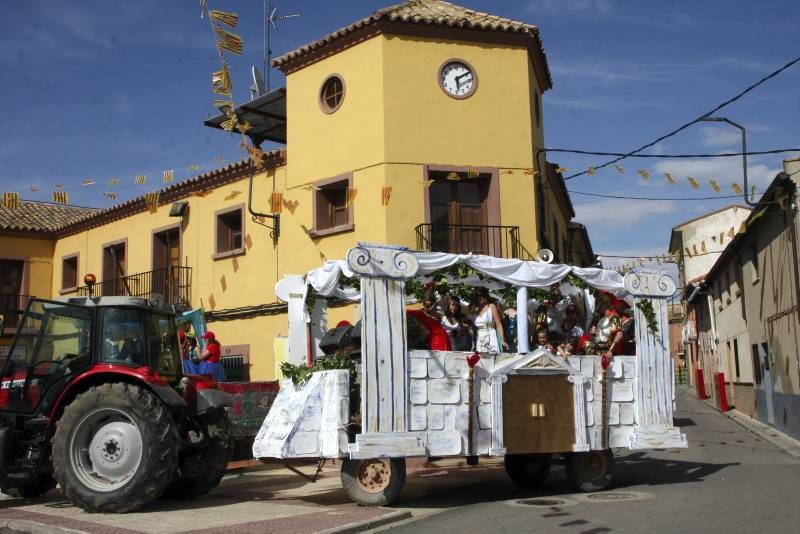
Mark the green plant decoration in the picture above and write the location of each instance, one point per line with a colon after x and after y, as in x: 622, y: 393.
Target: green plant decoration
x: 646, y: 307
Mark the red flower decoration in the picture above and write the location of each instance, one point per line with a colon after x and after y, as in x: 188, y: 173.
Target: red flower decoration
x: 605, y: 361
x: 472, y: 360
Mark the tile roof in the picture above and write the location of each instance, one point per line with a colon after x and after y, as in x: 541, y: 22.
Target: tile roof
x: 41, y: 216
x: 431, y: 13
x: 58, y: 218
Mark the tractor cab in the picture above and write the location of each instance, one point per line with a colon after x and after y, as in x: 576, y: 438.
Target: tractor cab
x: 60, y: 339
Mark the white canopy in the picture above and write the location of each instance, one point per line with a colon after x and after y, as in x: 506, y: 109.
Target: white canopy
x: 325, y: 280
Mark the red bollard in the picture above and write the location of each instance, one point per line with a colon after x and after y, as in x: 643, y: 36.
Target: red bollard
x: 701, y: 385
x: 722, y: 397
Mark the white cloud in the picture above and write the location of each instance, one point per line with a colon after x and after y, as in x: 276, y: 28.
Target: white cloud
x: 724, y: 170
x: 718, y: 137
x: 612, y: 213
x: 557, y: 7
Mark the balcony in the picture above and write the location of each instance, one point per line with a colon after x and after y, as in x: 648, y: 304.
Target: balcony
x: 500, y: 241
x: 173, y: 283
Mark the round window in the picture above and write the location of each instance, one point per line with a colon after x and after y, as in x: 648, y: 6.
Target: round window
x: 332, y: 94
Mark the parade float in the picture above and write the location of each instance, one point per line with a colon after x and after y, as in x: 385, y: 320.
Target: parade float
x: 527, y: 406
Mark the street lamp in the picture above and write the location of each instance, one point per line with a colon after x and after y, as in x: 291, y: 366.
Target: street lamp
x: 744, y: 151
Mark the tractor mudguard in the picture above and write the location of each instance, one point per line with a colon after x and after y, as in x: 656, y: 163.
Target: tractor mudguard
x: 208, y: 399
x: 169, y: 396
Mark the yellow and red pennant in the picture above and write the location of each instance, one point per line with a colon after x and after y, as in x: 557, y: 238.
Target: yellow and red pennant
x: 11, y: 201
x: 386, y: 194
x: 60, y: 197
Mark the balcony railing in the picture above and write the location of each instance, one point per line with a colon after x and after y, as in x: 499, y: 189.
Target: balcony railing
x: 11, y: 308
x: 173, y: 283
x: 500, y: 241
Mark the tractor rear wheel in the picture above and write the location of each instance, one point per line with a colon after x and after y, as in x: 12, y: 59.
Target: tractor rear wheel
x: 115, y: 448
x: 202, y: 470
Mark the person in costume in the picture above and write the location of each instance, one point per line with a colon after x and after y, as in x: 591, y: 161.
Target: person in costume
x: 209, y: 359
x: 456, y: 325
x: 489, y: 335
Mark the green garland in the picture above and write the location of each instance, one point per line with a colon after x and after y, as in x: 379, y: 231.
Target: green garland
x: 646, y: 307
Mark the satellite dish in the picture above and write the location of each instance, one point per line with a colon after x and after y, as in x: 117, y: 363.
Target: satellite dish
x: 258, y: 88
x: 545, y: 256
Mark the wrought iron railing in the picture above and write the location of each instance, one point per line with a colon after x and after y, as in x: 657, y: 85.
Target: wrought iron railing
x: 11, y: 309
x: 500, y: 241
x: 173, y: 283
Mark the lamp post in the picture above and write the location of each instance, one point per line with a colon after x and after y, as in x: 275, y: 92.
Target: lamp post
x: 744, y: 152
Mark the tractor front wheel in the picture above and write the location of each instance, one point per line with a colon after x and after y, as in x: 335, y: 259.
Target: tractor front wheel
x: 115, y: 448
x: 201, y: 470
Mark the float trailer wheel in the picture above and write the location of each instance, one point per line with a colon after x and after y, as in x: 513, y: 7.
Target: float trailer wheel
x: 590, y: 471
x: 375, y: 481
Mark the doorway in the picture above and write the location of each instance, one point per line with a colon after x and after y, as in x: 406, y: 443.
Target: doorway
x: 166, y: 263
x: 462, y: 214
x: 114, y: 270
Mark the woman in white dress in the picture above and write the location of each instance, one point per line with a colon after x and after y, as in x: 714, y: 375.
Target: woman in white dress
x: 490, y: 337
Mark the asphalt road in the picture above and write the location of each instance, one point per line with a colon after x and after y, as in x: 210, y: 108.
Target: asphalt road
x: 728, y: 480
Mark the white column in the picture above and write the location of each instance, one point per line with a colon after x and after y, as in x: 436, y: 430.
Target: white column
x: 292, y: 290
x: 522, y: 320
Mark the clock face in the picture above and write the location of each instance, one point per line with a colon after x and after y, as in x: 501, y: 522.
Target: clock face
x: 458, y: 79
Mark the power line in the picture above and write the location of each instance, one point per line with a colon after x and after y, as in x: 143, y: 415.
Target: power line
x: 698, y: 119
x: 623, y: 197
x: 670, y: 156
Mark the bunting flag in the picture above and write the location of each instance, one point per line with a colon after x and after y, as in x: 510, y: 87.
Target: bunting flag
x: 736, y: 188
x: 386, y: 193
x: 11, y: 201
x: 591, y: 170
x: 731, y: 233
x: 620, y: 169
x: 202, y: 193
x: 60, y: 197
x: 276, y: 203
x: 453, y: 176
x: 688, y: 252
x: 714, y: 185
x: 243, y: 127
x: 110, y: 194
x: 168, y: 176
x: 221, y: 83
x: 112, y: 182
x: 255, y: 153
x: 219, y: 160
x: 141, y: 179
x: 228, y: 41
x: 703, y: 247
x: 351, y: 195
x: 742, y: 228
x: 561, y: 170
x: 88, y: 182
x: 472, y: 173
x: 224, y: 17
x: 33, y: 189
x: 58, y: 186
x: 151, y: 199
x: 291, y: 205
x: 230, y: 123
x: 714, y: 238
x: 721, y: 238
x: 532, y: 172
x: 694, y: 182
x: 232, y: 195
x: 427, y: 183
x: 671, y: 179
x: 694, y: 249
x: 644, y: 174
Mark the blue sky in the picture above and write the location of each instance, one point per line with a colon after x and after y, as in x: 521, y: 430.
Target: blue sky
x: 102, y: 89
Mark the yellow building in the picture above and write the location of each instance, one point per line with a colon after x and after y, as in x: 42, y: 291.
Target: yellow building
x: 416, y: 126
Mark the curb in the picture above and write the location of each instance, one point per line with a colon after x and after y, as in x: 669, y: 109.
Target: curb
x: 33, y: 527
x: 367, y: 524
x: 786, y: 443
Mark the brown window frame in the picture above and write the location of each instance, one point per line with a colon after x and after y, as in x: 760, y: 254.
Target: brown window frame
x: 323, y: 99
x: 231, y: 251
x: 322, y: 223
x: 64, y: 259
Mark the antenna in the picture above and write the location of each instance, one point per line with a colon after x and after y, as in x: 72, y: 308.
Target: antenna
x: 271, y: 19
x: 257, y: 89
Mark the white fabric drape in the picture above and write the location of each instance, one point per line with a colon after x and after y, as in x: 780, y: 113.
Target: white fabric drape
x: 325, y: 280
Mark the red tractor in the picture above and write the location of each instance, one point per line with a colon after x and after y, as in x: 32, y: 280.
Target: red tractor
x: 92, y: 396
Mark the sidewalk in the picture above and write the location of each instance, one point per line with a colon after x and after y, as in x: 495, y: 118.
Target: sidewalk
x: 264, y: 498
x: 786, y: 443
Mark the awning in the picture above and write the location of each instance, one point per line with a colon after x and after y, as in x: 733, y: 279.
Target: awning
x: 266, y: 114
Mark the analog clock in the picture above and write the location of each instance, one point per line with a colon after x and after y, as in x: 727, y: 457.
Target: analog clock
x: 457, y: 78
